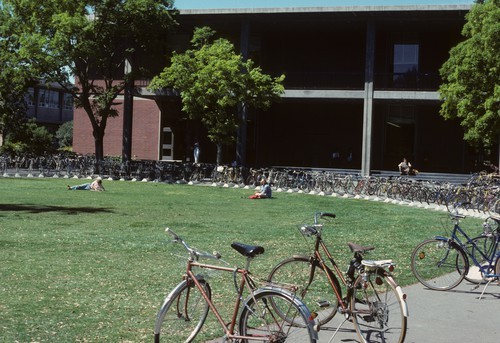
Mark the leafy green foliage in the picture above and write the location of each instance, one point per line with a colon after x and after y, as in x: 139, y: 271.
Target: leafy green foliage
x: 213, y: 80
x: 64, y: 134
x: 471, y: 88
x: 29, y: 138
x: 57, y: 40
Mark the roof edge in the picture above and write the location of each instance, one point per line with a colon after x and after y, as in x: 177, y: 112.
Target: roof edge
x: 380, y: 8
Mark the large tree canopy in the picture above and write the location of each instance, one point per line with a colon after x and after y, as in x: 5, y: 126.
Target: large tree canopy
x: 89, y: 40
x: 471, y: 76
x: 213, y: 80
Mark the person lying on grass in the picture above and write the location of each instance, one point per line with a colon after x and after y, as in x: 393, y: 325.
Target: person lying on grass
x: 94, y: 186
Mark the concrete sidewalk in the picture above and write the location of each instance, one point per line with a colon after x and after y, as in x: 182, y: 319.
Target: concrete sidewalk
x: 440, y: 317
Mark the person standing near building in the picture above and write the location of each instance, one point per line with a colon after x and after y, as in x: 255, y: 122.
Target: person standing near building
x: 196, y: 153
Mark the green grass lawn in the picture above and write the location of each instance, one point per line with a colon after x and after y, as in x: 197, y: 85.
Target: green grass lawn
x: 82, y: 266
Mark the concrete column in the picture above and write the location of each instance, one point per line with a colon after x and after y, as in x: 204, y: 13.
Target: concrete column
x: 368, y: 99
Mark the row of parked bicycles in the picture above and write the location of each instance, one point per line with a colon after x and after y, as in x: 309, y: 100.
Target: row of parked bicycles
x: 480, y: 191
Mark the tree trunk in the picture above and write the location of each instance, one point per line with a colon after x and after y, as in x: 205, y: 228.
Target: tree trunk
x: 99, y: 150
x: 219, y: 153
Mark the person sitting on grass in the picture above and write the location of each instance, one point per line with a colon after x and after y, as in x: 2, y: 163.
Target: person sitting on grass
x: 94, y: 186
x: 265, y: 190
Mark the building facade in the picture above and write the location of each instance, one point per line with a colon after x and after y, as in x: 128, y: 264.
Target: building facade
x: 361, y: 91
x: 49, y: 106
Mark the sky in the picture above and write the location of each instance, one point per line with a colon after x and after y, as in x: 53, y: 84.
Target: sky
x: 199, y: 4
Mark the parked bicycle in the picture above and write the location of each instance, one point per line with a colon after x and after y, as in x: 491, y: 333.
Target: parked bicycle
x: 374, y: 302
x: 441, y: 263
x: 185, y: 309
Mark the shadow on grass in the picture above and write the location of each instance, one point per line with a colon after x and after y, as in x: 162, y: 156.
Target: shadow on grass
x: 32, y: 208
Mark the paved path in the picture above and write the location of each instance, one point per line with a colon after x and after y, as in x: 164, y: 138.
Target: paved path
x: 441, y: 317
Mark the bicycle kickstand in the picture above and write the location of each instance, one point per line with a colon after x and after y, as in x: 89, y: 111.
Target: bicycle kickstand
x: 484, y: 289
x: 338, y: 328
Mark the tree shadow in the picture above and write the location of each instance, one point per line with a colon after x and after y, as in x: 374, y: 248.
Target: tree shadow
x: 33, y: 208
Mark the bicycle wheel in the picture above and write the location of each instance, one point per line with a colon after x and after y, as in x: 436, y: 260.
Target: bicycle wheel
x: 315, y: 290
x: 260, y: 321
x: 378, y: 311
x: 486, y: 245
x: 438, y: 265
x: 182, y: 314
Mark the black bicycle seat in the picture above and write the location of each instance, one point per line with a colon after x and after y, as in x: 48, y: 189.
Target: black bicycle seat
x: 247, y: 250
x: 359, y: 248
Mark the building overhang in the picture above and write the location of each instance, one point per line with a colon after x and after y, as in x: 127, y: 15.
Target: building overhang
x: 329, y: 9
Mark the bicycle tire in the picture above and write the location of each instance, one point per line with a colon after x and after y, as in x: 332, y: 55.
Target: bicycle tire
x: 378, y: 310
x: 259, y: 319
x: 486, y: 244
x: 317, y: 294
x: 183, y: 313
x: 438, y: 264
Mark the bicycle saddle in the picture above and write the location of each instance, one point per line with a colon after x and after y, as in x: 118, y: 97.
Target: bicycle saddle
x: 247, y: 250
x: 359, y: 248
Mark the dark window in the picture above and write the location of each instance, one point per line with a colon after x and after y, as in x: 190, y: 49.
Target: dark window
x: 405, y: 68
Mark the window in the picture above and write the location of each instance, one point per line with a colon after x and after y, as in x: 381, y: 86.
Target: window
x: 43, y: 98
x: 405, y: 64
x: 53, y: 99
x: 30, y: 97
x: 68, y: 102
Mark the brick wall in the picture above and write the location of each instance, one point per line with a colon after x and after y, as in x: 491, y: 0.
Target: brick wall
x: 145, y: 131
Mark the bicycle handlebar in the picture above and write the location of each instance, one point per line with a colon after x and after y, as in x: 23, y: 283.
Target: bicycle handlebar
x: 321, y: 215
x: 194, y: 254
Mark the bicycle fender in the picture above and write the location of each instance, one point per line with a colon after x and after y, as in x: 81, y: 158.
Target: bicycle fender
x: 166, y: 304
x: 401, y: 295
x: 292, y: 298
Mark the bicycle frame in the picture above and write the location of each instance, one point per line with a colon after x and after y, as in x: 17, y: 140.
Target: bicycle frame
x: 455, y: 239
x: 245, y: 283
x: 320, y: 260
x: 353, y: 266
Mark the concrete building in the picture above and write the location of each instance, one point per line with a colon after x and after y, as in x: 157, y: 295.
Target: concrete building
x: 361, y: 91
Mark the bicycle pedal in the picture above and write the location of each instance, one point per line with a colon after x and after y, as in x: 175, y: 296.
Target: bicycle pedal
x: 323, y: 303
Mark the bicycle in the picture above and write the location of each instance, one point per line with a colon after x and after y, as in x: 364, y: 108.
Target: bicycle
x: 374, y: 302
x: 442, y: 263
x: 185, y: 309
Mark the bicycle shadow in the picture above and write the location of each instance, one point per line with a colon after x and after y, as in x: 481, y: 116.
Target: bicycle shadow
x: 492, y: 291
x: 35, y: 208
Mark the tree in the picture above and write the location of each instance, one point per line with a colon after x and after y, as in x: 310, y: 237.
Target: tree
x: 12, y: 112
x: 14, y: 78
x: 213, y: 80
x: 471, y: 87
x: 29, y: 138
x: 64, y: 134
x: 88, y: 40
